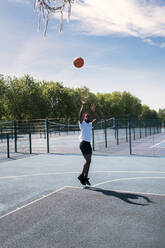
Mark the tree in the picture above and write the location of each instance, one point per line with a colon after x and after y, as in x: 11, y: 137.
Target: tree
x: 24, y: 99
x: 161, y: 115
x: 60, y: 100
x: 104, y: 103
x: 147, y: 113
x: 116, y: 106
x: 2, y: 96
x: 131, y: 105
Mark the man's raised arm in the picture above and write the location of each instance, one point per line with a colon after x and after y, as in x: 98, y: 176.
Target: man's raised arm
x: 82, y: 110
x: 96, y: 118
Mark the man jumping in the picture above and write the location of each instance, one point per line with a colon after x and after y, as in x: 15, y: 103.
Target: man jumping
x: 86, y: 125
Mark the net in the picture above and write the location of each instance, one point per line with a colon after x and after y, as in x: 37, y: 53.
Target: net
x: 47, y: 7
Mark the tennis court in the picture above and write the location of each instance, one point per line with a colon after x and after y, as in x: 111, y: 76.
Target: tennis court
x: 44, y: 205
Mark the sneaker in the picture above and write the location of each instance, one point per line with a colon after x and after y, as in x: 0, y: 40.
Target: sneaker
x: 87, y: 181
x: 82, y: 179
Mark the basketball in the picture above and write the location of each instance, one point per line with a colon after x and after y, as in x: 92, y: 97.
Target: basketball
x: 78, y: 62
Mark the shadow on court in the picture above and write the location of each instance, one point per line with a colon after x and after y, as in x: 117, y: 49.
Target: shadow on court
x: 126, y: 197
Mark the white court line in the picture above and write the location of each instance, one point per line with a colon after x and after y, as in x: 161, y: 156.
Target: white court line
x: 39, y: 199
x: 158, y: 144
x: 41, y: 174
x: 76, y: 187
x: 77, y: 172
x: 125, y: 179
x: 121, y: 191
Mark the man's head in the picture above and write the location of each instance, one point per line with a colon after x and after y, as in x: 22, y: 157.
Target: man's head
x: 86, y: 117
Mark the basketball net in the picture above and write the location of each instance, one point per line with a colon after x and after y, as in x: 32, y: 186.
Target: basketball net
x: 47, y: 7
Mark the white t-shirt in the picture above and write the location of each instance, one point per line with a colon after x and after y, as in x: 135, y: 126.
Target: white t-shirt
x: 86, y: 131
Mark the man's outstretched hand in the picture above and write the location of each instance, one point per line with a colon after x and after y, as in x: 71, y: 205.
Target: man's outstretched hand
x: 83, y: 101
x: 93, y: 107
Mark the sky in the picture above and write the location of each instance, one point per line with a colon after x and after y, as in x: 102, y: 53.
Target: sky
x: 122, y: 43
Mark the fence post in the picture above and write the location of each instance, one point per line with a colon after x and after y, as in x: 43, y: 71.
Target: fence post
x: 68, y: 126
x: 117, y: 132
x: 145, y: 129
x: 126, y: 130
x: 15, y: 135
x: 126, y: 134
x: 8, y: 148
x: 130, y: 143
x: 105, y: 130
x: 30, y: 142
x: 140, y: 122
x: 47, y: 131
x: 12, y: 129
x: 114, y: 125
x: 134, y: 132
x: 134, y: 129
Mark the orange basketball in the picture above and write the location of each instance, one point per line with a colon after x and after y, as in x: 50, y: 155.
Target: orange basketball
x: 78, y: 62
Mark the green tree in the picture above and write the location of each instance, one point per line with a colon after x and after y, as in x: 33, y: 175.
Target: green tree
x: 147, y: 113
x: 60, y: 100
x: 104, y: 103
x: 25, y: 99
x: 2, y: 96
x: 161, y: 115
x: 131, y: 105
x: 116, y: 105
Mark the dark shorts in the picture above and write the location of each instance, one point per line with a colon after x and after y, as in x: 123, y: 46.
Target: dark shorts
x: 85, y: 147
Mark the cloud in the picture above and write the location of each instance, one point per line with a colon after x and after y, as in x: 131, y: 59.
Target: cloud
x: 150, y: 42
x: 137, y: 18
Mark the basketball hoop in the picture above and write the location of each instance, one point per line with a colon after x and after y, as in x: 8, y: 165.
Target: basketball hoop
x: 47, y: 7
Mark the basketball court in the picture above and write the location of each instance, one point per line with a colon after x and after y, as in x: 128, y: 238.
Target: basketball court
x: 44, y: 205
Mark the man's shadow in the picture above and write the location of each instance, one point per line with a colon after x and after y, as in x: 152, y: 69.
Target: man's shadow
x: 127, y: 197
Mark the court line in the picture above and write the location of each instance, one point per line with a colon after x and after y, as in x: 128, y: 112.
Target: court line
x: 30, y: 203
x: 37, y: 200
x: 119, y: 191
x: 77, y: 172
x: 158, y: 144
x: 125, y: 179
x: 76, y: 187
x: 41, y: 174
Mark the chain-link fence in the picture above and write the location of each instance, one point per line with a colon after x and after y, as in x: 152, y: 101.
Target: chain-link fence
x: 126, y: 137
x: 111, y: 136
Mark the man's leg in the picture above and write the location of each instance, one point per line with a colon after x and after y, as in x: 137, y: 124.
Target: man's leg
x: 86, y: 165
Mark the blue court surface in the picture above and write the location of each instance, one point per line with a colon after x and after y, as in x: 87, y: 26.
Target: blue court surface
x: 42, y: 204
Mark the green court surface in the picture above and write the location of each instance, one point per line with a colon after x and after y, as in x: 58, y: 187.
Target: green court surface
x: 44, y: 205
